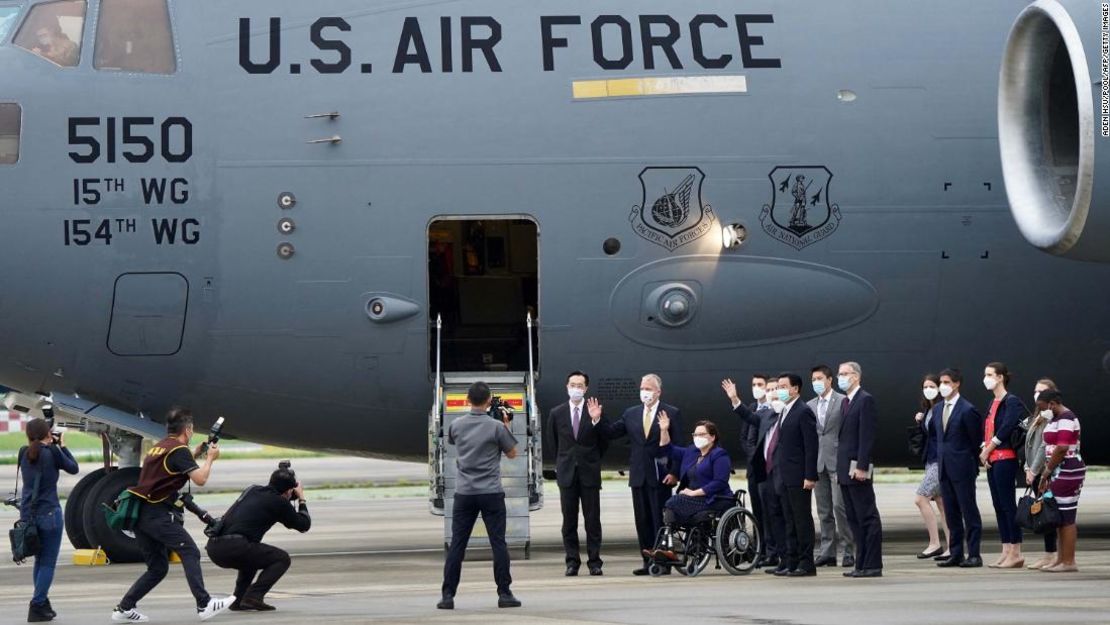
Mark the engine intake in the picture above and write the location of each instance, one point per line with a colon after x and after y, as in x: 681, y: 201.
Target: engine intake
x: 1047, y: 129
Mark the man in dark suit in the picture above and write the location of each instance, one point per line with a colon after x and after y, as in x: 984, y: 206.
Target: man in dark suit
x: 959, y: 430
x: 859, y: 423
x: 648, y: 464
x: 792, y: 447
x: 576, y: 438
x: 755, y: 422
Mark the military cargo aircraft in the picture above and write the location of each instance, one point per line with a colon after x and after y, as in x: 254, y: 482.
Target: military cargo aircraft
x: 324, y: 219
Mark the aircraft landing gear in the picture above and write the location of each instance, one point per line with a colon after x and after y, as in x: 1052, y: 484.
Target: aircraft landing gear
x: 84, y: 513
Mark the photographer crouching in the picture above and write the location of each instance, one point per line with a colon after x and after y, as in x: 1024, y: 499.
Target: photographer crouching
x: 236, y: 539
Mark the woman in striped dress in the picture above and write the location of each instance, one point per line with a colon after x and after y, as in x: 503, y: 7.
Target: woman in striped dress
x: 1063, y: 473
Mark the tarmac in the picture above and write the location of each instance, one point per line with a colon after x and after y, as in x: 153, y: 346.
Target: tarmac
x: 375, y: 558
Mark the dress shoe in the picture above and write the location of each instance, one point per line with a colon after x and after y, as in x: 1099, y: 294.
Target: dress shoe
x: 782, y: 571
x: 803, y: 573
x: 925, y: 555
x: 767, y: 561
x: 825, y: 561
x: 849, y: 562
x: 446, y: 603
x: 869, y: 573
x: 640, y: 571
x: 851, y: 573
x: 572, y: 570
x: 943, y: 556
x: 256, y: 605
x: 952, y: 561
x: 595, y: 570
x: 507, y: 600
x: 973, y: 562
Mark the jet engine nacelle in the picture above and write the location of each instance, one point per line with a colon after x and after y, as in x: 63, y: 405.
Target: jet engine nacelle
x: 1054, y: 127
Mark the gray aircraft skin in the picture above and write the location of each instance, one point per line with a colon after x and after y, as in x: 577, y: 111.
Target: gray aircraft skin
x: 857, y: 143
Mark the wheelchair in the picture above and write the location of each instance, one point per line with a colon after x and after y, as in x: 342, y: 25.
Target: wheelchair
x: 730, y: 537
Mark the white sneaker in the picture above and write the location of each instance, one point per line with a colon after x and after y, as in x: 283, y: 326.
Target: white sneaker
x: 130, y: 616
x: 214, y: 607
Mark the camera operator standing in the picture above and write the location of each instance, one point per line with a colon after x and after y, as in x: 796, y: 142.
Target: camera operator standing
x: 160, y: 527
x: 238, y: 543
x: 479, y: 440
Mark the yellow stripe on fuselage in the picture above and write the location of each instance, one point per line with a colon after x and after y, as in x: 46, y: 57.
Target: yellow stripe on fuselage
x: 665, y: 85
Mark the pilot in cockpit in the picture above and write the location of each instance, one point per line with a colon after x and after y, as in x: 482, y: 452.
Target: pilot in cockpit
x: 54, y: 45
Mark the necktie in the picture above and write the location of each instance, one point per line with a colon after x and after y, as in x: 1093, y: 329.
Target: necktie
x: 947, y: 413
x: 844, y: 406
x: 647, y: 421
x: 574, y: 422
x: 771, y: 444
x: 822, y: 410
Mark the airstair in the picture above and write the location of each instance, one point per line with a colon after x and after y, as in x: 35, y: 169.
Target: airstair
x: 521, y: 477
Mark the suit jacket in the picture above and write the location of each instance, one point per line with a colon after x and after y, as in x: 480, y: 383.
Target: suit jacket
x: 958, y: 447
x: 828, y: 436
x: 1009, y: 416
x: 648, y: 463
x: 757, y: 424
x: 712, y: 472
x: 858, y: 427
x: 795, y: 458
x: 576, y: 458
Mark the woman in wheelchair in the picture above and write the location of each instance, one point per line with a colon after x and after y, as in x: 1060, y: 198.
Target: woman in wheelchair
x: 702, y: 472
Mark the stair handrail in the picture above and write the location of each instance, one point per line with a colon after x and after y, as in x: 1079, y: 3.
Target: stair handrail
x: 437, y: 412
x: 534, y: 417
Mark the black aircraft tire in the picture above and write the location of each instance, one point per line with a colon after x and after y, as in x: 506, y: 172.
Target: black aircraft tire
x: 119, y: 547
x: 75, y: 509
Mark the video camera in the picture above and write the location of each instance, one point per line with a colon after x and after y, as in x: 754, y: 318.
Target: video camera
x: 497, y: 405
x: 213, y: 437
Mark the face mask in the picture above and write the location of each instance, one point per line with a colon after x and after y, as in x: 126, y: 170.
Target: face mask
x: 819, y: 388
x: 759, y: 392
x: 576, y: 394
x: 646, y: 397
x: 930, y: 392
x: 777, y: 405
x: 990, y: 383
x: 945, y: 390
x: 1047, y: 414
x: 844, y: 382
x: 783, y: 395
x: 701, y: 442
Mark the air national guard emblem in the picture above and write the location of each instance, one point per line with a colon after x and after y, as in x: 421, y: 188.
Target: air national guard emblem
x: 672, y: 213
x: 800, y: 213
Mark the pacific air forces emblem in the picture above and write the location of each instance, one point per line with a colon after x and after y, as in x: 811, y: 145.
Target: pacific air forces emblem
x: 800, y: 213
x: 671, y: 213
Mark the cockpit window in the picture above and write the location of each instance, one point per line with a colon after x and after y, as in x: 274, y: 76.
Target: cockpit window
x: 53, y: 31
x: 9, y: 133
x: 135, y: 36
x: 7, y: 20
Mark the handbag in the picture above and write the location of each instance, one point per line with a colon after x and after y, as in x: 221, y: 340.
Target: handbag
x: 1024, y: 515
x: 24, y: 535
x: 1046, y: 514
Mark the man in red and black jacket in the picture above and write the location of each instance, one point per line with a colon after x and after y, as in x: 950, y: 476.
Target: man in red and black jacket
x: 168, y: 466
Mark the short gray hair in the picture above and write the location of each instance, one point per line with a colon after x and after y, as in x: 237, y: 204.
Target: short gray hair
x: 654, y: 378
x: 854, y: 366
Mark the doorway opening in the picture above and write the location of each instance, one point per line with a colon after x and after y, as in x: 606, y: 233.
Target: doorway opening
x: 483, y: 279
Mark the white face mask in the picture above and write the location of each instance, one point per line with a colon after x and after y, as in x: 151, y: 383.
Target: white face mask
x: 647, y: 397
x: 844, y: 382
x: 819, y: 387
x: 930, y: 392
x: 758, y: 392
x: 701, y: 442
x: 777, y: 405
x: 1047, y: 414
x: 990, y: 383
x: 575, y: 394
x: 945, y: 390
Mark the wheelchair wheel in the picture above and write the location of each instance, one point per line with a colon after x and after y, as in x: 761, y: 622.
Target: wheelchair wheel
x: 737, y: 541
x: 655, y: 569
x: 698, y: 553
